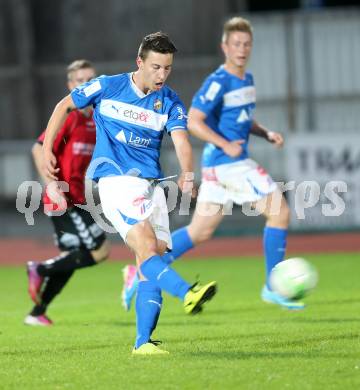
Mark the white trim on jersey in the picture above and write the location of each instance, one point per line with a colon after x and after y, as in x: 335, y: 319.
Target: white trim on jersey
x: 240, y: 97
x: 135, y: 88
x: 132, y: 114
x: 177, y: 128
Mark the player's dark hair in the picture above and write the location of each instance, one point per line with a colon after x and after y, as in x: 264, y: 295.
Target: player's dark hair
x: 158, y: 42
x: 76, y: 65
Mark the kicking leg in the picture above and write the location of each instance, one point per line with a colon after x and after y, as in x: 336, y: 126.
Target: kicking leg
x: 206, y: 219
x: 142, y: 240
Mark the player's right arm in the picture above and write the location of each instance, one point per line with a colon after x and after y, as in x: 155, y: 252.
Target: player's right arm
x: 56, y: 121
x: 208, y: 98
x: 199, y: 129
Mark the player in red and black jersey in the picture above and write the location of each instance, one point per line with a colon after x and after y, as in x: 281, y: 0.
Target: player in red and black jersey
x: 82, y: 243
x: 73, y: 147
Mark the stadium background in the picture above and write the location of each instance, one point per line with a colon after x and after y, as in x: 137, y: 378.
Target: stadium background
x: 305, y: 60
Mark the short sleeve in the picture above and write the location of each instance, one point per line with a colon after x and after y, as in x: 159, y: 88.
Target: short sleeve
x: 177, y: 119
x: 89, y: 93
x: 208, y: 96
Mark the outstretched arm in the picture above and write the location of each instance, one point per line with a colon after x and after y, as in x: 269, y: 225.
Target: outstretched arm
x: 184, y: 154
x: 56, y: 121
x: 271, y: 136
x: 199, y: 129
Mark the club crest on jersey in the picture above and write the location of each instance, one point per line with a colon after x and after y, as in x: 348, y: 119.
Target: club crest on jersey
x: 157, y: 104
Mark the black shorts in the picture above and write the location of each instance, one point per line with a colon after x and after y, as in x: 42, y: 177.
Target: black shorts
x: 76, y: 229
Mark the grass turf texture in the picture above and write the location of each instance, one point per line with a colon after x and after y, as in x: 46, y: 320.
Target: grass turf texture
x: 238, y: 342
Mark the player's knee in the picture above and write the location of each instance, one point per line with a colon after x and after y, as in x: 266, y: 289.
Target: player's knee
x: 161, y: 247
x: 282, y: 219
x: 149, y: 242
x: 205, y: 235
x: 285, y: 214
x: 142, y: 240
x: 146, y: 246
x: 200, y: 235
x: 101, y: 253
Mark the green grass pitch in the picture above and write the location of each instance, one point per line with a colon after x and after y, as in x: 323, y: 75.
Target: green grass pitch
x: 239, y: 342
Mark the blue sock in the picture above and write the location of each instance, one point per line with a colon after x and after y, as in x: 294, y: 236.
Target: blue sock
x: 274, y: 248
x: 148, y: 307
x: 181, y: 244
x: 158, y: 272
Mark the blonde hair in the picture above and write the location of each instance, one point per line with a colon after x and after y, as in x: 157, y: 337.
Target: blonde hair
x: 76, y: 65
x: 236, y: 23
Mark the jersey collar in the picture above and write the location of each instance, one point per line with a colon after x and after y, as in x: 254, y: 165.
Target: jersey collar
x: 137, y: 90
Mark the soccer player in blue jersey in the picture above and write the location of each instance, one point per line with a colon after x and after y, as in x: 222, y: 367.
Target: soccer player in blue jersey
x: 131, y: 112
x: 222, y: 115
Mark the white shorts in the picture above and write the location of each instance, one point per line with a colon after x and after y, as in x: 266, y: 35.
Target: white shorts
x: 240, y: 182
x: 127, y: 200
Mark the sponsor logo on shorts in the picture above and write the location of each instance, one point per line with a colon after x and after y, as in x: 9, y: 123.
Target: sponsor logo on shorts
x: 145, y: 206
x: 139, y: 200
x: 143, y: 202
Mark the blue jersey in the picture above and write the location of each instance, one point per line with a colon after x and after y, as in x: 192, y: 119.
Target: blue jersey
x: 229, y: 105
x: 129, y: 125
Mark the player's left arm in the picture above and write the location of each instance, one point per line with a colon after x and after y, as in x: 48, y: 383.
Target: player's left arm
x: 271, y: 136
x: 184, y: 154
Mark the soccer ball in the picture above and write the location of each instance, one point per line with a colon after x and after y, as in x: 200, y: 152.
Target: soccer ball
x: 293, y: 278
